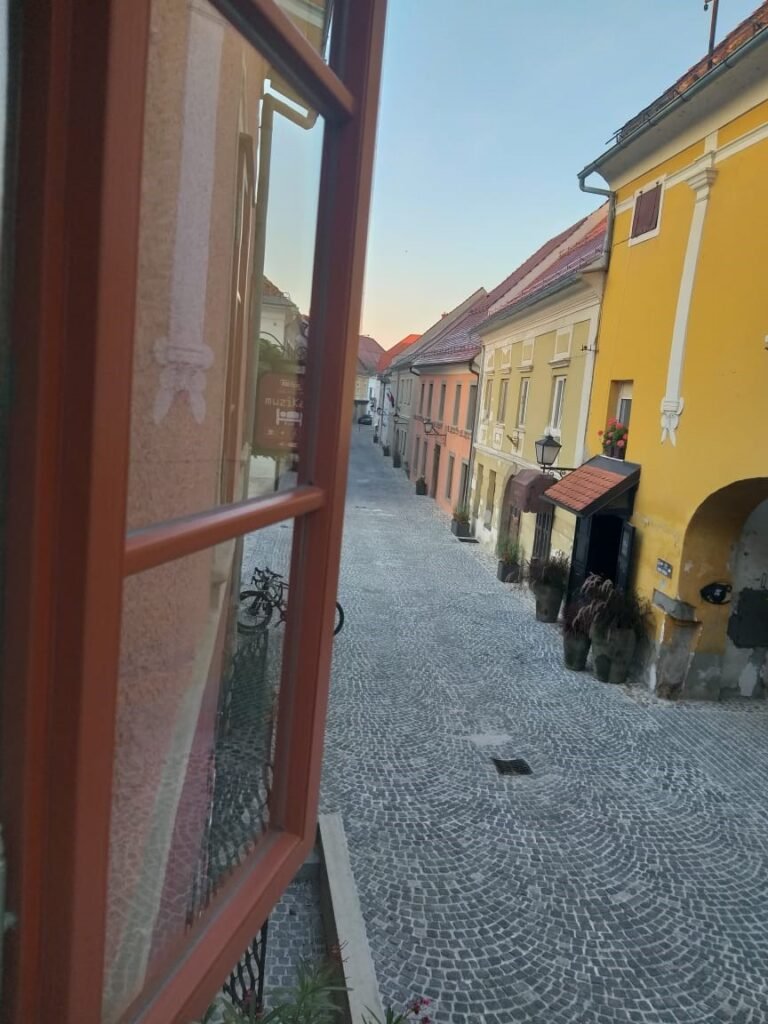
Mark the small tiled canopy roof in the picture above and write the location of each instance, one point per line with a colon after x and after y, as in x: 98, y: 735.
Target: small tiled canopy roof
x: 594, y: 485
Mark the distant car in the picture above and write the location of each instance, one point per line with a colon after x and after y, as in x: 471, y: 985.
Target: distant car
x: 365, y: 419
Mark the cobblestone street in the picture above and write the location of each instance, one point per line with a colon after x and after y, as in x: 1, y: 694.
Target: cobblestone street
x: 625, y: 880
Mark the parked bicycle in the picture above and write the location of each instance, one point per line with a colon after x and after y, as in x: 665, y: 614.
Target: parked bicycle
x: 266, y: 597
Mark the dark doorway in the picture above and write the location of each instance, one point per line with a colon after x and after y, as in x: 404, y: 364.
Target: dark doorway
x: 542, y: 537
x: 604, y: 540
x: 596, y: 549
x: 435, y: 471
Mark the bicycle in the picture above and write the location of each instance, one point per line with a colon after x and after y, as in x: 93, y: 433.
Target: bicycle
x: 269, y: 594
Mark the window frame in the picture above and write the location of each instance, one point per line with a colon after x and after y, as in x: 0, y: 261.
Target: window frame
x: 74, y: 307
x: 523, y: 397
x: 456, y: 405
x: 559, y: 384
x: 488, y: 398
x: 501, y: 410
x: 471, y: 407
x: 449, y: 475
x: 441, y: 402
x: 635, y: 239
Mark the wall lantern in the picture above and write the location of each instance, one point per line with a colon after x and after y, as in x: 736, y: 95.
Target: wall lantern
x: 431, y: 430
x: 547, y: 450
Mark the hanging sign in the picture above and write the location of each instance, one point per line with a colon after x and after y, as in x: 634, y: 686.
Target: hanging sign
x: 279, y: 406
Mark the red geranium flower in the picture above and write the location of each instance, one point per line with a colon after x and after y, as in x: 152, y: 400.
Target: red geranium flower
x: 620, y: 444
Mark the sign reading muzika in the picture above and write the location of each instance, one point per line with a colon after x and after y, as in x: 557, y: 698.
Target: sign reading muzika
x: 278, y: 412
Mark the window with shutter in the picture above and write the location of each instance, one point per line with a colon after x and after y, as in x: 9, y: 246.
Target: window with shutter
x: 646, y: 216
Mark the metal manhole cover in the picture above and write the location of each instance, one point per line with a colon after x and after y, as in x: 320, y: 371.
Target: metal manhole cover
x: 514, y: 766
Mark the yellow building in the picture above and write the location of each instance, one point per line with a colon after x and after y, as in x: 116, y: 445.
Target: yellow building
x: 537, y: 359
x: 683, y: 344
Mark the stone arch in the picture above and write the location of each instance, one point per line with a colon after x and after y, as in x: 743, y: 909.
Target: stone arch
x: 714, y: 551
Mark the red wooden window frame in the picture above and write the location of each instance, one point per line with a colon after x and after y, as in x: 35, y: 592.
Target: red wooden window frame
x: 646, y: 215
x: 81, y: 136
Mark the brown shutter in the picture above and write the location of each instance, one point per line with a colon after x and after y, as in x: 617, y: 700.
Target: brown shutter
x: 646, y: 211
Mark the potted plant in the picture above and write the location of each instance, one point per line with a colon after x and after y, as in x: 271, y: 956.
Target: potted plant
x: 576, y: 640
x: 375, y: 435
x: 385, y: 449
x: 510, y: 560
x: 548, y: 579
x: 421, y: 485
x: 460, y: 522
x: 614, y: 439
x: 407, y: 470
x: 619, y: 618
x: 396, y: 460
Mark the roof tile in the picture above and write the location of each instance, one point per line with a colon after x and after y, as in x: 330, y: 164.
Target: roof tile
x: 585, y: 485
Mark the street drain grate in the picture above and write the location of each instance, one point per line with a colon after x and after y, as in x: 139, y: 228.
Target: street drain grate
x: 516, y: 766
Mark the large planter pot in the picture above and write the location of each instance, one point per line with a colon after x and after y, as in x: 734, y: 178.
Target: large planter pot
x: 508, y: 572
x: 460, y: 529
x: 575, y: 651
x: 385, y: 450
x: 375, y: 437
x: 548, y: 601
x: 612, y: 653
x: 623, y: 643
x: 421, y: 487
x: 396, y: 460
x: 601, y: 653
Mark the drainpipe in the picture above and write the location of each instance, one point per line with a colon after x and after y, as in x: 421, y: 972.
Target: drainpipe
x: 606, y: 256
x: 470, y: 468
x: 270, y: 105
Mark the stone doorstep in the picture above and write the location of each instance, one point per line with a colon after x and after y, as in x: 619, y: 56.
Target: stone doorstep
x: 343, y: 919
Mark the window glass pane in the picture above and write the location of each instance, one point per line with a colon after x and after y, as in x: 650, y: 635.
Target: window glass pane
x: 523, y: 402
x: 472, y: 406
x: 312, y: 18
x: 456, y: 405
x: 201, y: 656
x: 223, y: 282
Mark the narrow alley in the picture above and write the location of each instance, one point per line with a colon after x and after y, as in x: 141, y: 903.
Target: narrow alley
x: 625, y: 879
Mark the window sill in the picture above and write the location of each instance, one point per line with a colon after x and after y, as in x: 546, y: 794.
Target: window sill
x: 644, y: 237
x: 525, y: 367
x: 560, y: 361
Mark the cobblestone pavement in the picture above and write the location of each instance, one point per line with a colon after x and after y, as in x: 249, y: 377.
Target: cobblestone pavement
x: 625, y: 880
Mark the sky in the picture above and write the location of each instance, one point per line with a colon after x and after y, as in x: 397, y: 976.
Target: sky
x: 489, y: 108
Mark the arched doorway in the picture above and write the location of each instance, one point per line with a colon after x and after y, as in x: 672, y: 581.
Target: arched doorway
x: 509, y: 523
x: 724, y: 647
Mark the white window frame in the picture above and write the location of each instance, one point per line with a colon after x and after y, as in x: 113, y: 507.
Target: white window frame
x: 488, y: 401
x: 522, y: 401
x: 624, y: 395
x: 654, y: 232
x: 558, y: 395
x: 501, y: 413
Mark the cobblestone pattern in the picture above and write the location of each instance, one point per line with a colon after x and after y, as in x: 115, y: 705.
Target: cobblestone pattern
x: 625, y: 880
x: 295, y: 935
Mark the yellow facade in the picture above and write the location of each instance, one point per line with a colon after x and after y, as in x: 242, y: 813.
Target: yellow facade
x: 552, y: 340
x: 685, y: 329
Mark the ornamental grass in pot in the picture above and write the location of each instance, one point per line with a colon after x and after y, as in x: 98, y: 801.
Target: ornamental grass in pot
x: 619, y: 619
x: 396, y: 460
x: 460, y: 521
x: 548, y: 579
x: 510, y: 559
x: 576, y: 640
x: 421, y: 486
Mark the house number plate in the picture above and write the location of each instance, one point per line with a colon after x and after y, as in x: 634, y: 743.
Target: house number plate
x: 664, y: 568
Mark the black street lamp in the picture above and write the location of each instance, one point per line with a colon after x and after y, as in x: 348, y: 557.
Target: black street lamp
x: 547, y: 450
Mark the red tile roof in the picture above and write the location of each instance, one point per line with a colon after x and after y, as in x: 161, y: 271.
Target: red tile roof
x: 584, y: 486
x: 389, y: 354
x: 735, y: 39
x: 369, y: 352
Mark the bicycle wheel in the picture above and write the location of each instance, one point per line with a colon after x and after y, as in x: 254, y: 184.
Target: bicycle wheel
x: 255, y: 611
x: 339, y: 620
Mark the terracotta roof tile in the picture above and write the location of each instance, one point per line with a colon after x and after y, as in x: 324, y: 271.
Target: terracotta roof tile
x: 735, y: 39
x: 584, y: 486
x: 369, y: 352
x: 390, y: 353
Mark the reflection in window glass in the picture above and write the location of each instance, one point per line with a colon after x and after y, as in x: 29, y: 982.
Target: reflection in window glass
x: 201, y: 656
x: 224, y: 277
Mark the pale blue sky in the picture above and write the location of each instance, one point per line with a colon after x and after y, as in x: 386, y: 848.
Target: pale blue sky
x: 488, y: 110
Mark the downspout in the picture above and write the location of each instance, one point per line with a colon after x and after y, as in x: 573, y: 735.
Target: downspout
x: 269, y: 106
x: 610, y: 195
x: 468, y: 486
